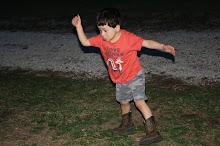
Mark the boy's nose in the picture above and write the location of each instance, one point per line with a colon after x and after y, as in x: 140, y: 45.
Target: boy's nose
x: 102, y: 33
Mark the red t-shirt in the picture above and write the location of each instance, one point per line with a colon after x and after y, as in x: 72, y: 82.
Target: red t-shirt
x: 121, y: 56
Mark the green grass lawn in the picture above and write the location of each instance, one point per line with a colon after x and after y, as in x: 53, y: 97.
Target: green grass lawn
x: 63, y: 111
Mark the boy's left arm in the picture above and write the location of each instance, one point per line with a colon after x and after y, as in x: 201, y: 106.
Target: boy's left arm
x: 155, y: 45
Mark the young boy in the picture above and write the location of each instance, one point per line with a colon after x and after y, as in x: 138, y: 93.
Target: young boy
x: 119, y: 49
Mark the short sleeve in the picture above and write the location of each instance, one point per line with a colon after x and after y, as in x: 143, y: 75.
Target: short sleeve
x: 96, y: 41
x: 135, y: 42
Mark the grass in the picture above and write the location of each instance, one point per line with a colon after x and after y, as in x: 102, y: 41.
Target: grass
x: 63, y: 111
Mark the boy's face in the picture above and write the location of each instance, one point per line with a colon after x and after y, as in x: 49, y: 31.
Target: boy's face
x: 110, y: 34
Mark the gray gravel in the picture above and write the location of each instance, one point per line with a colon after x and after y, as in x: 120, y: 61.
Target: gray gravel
x: 197, y: 54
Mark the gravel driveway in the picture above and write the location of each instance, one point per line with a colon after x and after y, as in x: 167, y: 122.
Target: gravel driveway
x: 197, y: 54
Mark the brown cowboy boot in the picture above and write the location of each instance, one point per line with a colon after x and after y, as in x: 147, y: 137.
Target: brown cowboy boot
x: 127, y: 124
x: 152, y: 135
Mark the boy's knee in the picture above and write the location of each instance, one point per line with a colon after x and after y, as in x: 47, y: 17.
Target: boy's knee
x: 124, y: 103
x: 140, y: 103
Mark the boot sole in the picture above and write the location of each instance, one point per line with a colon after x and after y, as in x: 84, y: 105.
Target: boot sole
x: 150, y: 141
x: 129, y: 129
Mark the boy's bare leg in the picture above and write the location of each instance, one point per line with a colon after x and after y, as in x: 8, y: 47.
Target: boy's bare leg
x: 125, y: 107
x: 144, y: 108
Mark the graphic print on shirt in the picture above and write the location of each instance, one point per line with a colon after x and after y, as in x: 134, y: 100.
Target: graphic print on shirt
x: 112, y: 63
x: 114, y: 52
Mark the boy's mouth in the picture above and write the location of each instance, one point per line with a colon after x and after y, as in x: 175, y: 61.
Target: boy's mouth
x: 105, y: 39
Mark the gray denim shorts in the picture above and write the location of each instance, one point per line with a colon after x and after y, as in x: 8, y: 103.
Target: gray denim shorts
x: 133, y: 90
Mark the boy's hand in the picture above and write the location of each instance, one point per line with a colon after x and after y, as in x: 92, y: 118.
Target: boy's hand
x: 169, y: 49
x: 76, y: 21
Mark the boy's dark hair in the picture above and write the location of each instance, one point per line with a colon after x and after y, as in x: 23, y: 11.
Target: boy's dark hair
x: 109, y: 16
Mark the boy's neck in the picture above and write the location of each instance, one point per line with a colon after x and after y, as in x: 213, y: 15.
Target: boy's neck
x: 117, y: 36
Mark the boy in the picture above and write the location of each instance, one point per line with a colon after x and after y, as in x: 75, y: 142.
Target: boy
x: 119, y: 49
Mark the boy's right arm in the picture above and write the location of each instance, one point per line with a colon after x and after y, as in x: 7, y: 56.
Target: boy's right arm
x: 76, y: 21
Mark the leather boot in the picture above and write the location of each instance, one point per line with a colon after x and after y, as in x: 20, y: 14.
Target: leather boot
x: 152, y: 135
x: 127, y: 124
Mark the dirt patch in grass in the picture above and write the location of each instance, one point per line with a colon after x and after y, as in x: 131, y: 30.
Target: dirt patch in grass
x: 164, y: 81
x: 18, y: 130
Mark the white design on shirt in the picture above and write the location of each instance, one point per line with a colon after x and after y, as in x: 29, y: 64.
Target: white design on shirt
x: 112, y: 63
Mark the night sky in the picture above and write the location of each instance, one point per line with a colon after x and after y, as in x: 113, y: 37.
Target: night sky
x: 25, y: 14
x: 66, y: 8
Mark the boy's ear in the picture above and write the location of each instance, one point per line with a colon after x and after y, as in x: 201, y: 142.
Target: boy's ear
x: 118, y: 27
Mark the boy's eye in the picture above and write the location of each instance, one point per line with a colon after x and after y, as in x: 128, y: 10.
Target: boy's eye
x: 103, y: 30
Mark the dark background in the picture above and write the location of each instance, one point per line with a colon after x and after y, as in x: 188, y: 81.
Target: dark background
x: 151, y: 15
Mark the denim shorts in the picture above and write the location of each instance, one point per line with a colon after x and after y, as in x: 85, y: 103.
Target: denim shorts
x: 133, y: 90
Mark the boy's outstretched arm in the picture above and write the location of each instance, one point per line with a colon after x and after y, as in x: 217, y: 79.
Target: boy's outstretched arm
x: 155, y: 45
x: 76, y: 21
